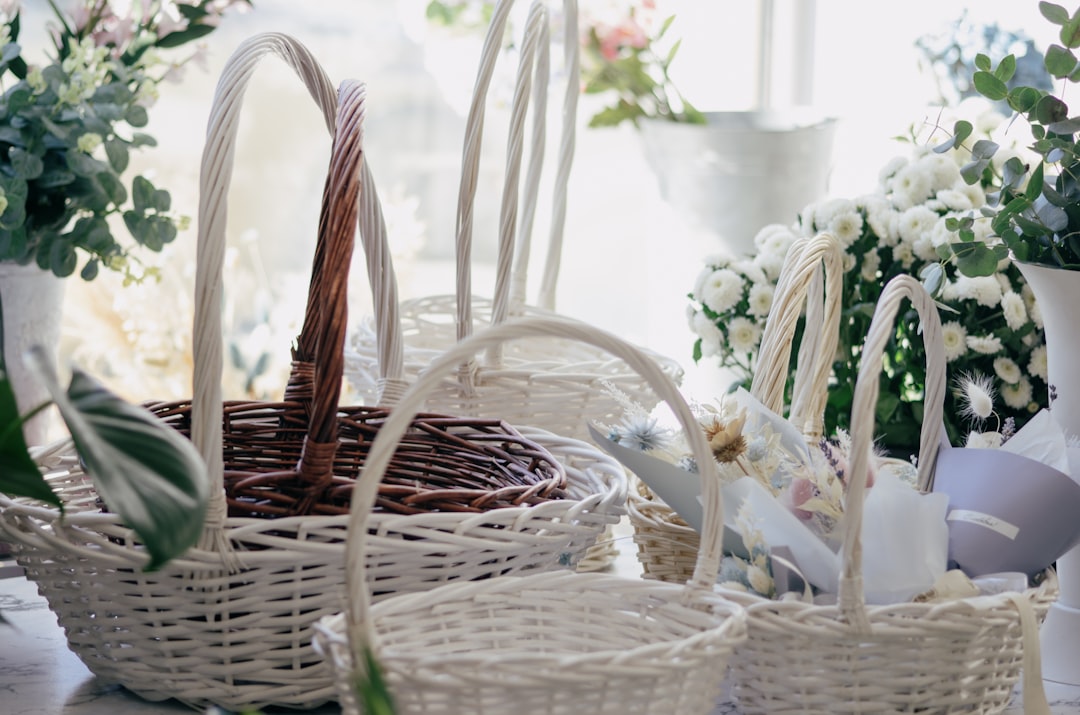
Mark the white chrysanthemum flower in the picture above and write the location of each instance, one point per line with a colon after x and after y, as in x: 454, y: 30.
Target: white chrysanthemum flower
x: 770, y: 264
x: 903, y: 255
x: 984, y: 344
x: 1035, y: 312
x: 775, y: 238
x: 890, y: 169
x: 846, y: 227
x: 1007, y: 369
x: 940, y: 235
x: 761, y: 299
x: 911, y: 186
x: 1014, y: 310
x: 703, y: 326
x: 1003, y: 281
x: 915, y: 222
x: 750, y: 270
x: 975, y: 194
x: 871, y: 262
x: 984, y: 290
x: 1017, y: 395
x: 942, y: 170
x: 702, y: 276
x: 722, y: 290
x: 983, y: 440
x: 976, y: 394
x: 955, y: 200
x: 827, y: 211
x: 743, y: 334
x: 1037, y: 363
x: 884, y: 221
x: 955, y: 337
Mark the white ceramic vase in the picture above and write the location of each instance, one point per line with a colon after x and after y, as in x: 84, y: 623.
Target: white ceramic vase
x: 32, y: 302
x: 1057, y: 292
x: 741, y: 171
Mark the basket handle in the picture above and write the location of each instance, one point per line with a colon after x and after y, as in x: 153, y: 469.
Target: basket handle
x: 510, y: 276
x: 360, y: 632
x: 800, y: 284
x: 867, y: 386
x: 215, y: 177
x: 316, y: 378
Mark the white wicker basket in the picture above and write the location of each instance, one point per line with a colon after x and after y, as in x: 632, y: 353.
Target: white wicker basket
x: 229, y: 623
x: 540, y: 643
x: 550, y: 383
x: 811, y: 277
x: 960, y: 655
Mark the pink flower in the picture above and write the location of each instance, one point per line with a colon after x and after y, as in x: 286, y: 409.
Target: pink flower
x: 799, y: 492
x: 627, y: 34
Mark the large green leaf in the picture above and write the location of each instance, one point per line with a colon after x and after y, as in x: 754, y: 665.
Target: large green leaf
x: 145, y: 471
x: 19, y: 475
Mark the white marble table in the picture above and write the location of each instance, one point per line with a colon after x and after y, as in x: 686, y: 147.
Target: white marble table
x: 40, y: 676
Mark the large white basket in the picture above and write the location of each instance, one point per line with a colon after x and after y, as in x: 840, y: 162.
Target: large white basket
x: 960, y: 655
x: 230, y: 622
x: 550, y: 383
x: 545, y: 643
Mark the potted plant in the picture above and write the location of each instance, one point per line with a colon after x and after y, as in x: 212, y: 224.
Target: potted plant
x: 1033, y: 221
x: 68, y: 127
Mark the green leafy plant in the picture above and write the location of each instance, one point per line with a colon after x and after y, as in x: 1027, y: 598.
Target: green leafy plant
x: 144, y: 471
x: 68, y: 127
x: 623, y: 56
x: 1034, y: 205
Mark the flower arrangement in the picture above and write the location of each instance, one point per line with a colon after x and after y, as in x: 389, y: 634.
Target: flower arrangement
x: 68, y: 127
x: 992, y: 325
x: 1034, y: 205
x: 803, y: 481
x: 625, y: 55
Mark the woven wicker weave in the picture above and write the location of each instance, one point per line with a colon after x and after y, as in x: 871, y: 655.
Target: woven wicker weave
x: 812, y: 276
x: 550, y: 383
x: 960, y: 655
x: 229, y: 623
x: 540, y: 643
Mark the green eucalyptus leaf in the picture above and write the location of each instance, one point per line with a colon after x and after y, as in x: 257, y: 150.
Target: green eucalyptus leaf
x: 26, y: 165
x: 84, y: 165
x: 1012, y: 172
x: 90, y: 271
x: 1060, y: 62
x: 1067, y: 126
x: 976, y: 259
x: 1054, y: 13
x: 1006, y: 69
x: 1050, y: 109
x: 982, y: 62
x: 144, y: 470
x: 142, y: 194
x: 1023, y: 99
x: 176, y: 39
x: 1070, y: 32
x: 136, y: 116
x: 20, y: 476
x: 990, y: 86
x: 1035, y: 184
x: 62, y: 258
x: 117, y: 153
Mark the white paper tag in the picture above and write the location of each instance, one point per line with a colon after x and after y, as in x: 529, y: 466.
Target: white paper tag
x: 1009, y: 531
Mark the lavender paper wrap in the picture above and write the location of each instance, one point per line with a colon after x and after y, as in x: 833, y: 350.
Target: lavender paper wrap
x: 1006, y: 512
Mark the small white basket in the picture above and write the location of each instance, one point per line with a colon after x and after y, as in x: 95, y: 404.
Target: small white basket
x: 540, y: 643
x: 959, y: 655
